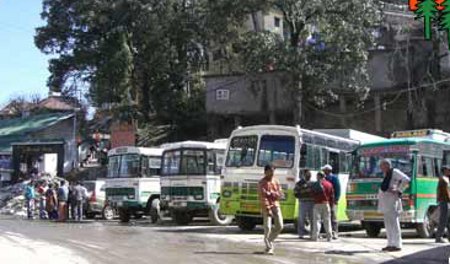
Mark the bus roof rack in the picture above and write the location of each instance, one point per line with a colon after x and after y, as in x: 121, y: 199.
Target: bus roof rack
x: 435, y: 134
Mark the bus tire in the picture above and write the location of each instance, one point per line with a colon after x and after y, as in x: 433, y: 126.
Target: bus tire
x: 426, y: 228
x: 217, y: 218
x: 246, y: 223
x: 182, y: 218
x: 155, y: 210
x: 124, y: 216
x: 108, y: 213
x: 138, y: 215
x: 372, y: 229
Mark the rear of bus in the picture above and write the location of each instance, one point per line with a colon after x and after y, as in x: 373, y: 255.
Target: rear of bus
x: 366, y: 178
x: 250, y: 149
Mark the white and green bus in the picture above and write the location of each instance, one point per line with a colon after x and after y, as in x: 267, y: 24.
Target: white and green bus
x: 133, y: 181
x: 291, y: 150
x: 190, y: 180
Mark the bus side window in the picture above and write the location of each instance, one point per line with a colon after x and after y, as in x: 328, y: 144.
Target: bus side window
x: 324, y: 156
x: 437, y: 167
x: 334, y: 161
x: 317, y: 158
x: 144, y: 166
x: 426, y: 167
x: 211, y: 163
x: 303, y: 156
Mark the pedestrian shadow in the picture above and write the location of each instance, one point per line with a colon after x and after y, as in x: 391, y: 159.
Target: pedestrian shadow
x: 438, y: 255
x: 349, y: 252
x: 228, y: 253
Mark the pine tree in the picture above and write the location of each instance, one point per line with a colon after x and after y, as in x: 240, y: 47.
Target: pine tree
x: 444, y: 21
x: 427, y: 9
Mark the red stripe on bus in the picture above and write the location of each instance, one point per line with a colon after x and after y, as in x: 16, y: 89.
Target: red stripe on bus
x: 426, y: 195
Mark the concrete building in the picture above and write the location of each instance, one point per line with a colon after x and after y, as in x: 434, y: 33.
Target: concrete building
x: 401, y: 67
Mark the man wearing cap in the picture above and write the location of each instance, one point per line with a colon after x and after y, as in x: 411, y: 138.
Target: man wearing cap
x: 334, y: 180
x: 390, y: 203
x: 443, y: 198
x: 270, y: 194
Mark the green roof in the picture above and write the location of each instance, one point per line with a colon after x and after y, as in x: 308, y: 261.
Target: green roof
x: 402, y: 141
x: 16, y: 130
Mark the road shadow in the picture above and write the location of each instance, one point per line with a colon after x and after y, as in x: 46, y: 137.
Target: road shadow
x: 228, y: 253
x: 349, y: 252
x: 438, y: 255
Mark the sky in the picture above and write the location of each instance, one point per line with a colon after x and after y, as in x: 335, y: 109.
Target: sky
x: 23, y: 68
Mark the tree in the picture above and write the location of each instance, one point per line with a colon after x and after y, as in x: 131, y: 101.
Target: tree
x: 328, y: 43
x: 427, y: 9
x: 140, y: 57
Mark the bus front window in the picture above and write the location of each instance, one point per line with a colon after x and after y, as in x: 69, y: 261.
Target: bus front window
x: 369, y: 166
x: 242, y: 151
x: 113, y: 167
x: 129, y: 166
x: 277, y: 150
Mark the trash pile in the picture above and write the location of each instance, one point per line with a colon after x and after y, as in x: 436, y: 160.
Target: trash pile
x: 12, y: 199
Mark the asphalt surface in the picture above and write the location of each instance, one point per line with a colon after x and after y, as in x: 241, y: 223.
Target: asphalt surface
x: 24, y: 241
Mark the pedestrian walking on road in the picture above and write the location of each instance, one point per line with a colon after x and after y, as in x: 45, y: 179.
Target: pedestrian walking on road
x: 63, y: 196
x: 443, y: 198
x: 390, y: 203
x: 328, y: 170
x: 81, y: 196
x: 323, y: 195
x: 72, y: 202
x: 270, y: 194
x: 42, y: 200
x: 303, y: 193
x: 30, y: 197
x: 51, y: 203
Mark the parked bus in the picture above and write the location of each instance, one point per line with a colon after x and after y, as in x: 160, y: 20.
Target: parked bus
x: 133, y: 182
x: 291, y: 150
x: 420, y: 155
x: 190, y: 180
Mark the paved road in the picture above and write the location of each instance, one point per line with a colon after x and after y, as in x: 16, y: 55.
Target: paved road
x: 23, y: 241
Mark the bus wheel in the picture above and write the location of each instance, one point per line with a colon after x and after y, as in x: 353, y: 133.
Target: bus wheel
x: 182, y: 218
x: 155, y: 211
x: 246, y: 223
x: 426, y: 228
x: 108, y: 213
x: 217, y: 218
x: 124, y: 215
x: 372, y: 229
x: 138, y: 215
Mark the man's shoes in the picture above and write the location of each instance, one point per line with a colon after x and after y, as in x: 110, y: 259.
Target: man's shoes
x: 269, y: 251
x: 391, y: 249
x: 335, y: 237
x: 440, y: 240
x: 386, y: 248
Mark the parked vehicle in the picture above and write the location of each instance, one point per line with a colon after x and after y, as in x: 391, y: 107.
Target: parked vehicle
x: 97, y: 203
x: 291, y: 150
x: 419, y: 154
x: 190, y: 180
x: 133, y: 183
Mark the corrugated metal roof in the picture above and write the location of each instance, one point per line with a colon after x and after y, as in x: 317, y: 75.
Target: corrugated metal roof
x: 15, y: 130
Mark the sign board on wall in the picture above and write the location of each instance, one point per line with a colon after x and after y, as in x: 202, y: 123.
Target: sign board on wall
x: 122, y: 134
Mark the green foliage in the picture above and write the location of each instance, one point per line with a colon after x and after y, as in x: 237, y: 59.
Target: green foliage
x: 339, y: 56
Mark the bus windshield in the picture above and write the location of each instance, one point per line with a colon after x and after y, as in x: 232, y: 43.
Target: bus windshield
x: 124, y: 166
x: 184, y: 162
x: 277, y: 151
x: 242, y: 151
x: 369, y: 166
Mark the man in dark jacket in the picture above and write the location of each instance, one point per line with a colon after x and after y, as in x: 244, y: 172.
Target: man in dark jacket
x: 443, y: 198
x: 303, y: 193
x: 334, y: 180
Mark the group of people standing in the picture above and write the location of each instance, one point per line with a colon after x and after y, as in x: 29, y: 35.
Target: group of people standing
x: 55, y: 201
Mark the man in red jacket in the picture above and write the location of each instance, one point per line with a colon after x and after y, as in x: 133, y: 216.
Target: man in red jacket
x: 323, y: 195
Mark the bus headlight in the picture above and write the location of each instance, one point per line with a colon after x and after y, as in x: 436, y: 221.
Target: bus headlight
x: 198, y: 197
x: 131, y: 196
x: 226, y: 194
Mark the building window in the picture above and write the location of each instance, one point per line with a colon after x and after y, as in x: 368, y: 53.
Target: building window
x: 222, y: 94
x: 277, y: 22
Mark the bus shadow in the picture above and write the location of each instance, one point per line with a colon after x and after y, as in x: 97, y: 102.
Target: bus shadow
x: 436, y: 255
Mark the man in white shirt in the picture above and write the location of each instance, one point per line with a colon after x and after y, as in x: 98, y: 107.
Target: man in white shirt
x: 390, y: 203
